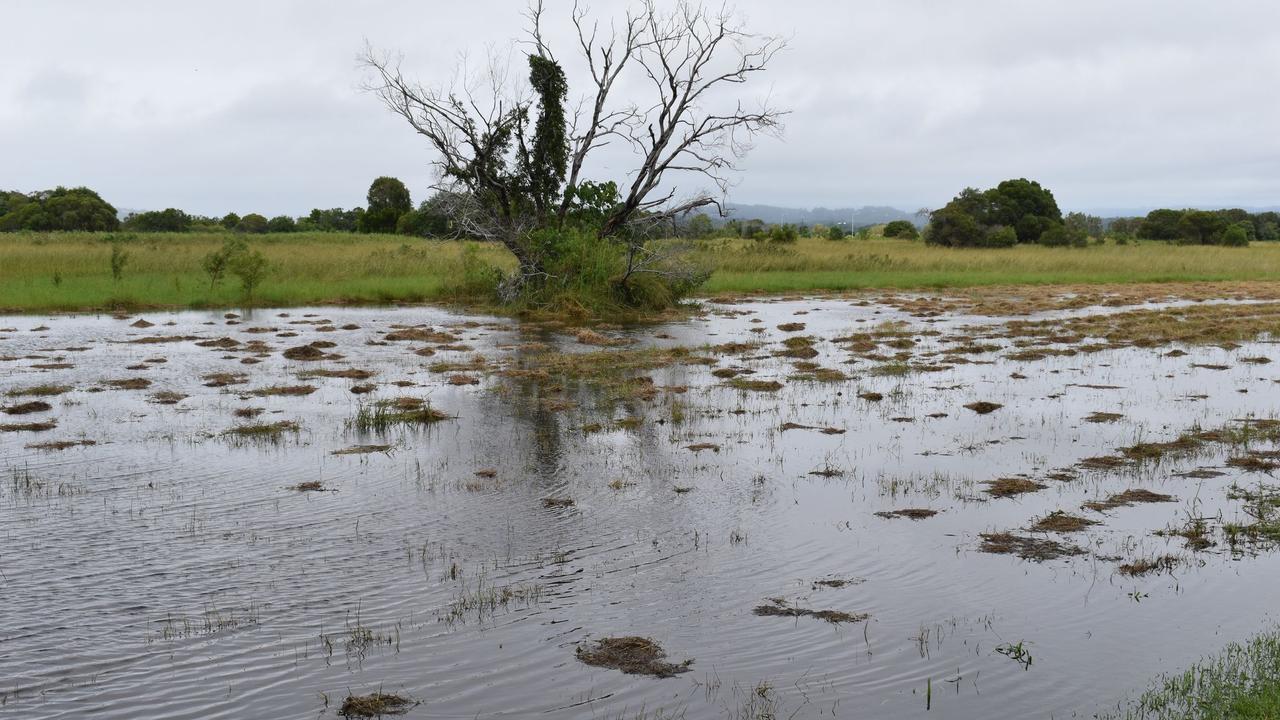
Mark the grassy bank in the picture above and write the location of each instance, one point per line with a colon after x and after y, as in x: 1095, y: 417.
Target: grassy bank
x: 1240, y: 683
x: 71, y: 271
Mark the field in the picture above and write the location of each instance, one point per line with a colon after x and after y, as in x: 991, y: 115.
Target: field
x: 71, y: 271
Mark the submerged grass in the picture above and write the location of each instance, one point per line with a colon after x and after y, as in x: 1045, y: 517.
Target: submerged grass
x: 383, y: 415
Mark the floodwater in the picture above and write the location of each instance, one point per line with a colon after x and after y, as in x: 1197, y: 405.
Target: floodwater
x: 173, y: 570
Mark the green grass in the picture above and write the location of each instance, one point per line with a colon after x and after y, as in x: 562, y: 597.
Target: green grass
x: 1240, y: 683
x: 815, y: 265
x: 72, y: 271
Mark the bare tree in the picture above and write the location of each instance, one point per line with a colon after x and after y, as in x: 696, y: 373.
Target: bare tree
x: 690, y: 124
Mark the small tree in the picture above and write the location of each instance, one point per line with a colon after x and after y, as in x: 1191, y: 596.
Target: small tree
x: 251, y: 267
x: 217, y: 262
x: 837, y: 232
x: 253, y: 223
x: 119, y: 257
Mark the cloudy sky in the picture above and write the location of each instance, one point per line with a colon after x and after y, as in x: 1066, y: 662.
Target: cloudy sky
x: 254, y: 105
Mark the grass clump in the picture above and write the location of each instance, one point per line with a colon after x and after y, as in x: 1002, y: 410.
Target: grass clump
x: 374, y: 705
x: 39, y: 391
x: 1240, y: 683
x: 633, y: 656
x: 382, y: 415
x: 266, y: 431
x: 1027, y: 548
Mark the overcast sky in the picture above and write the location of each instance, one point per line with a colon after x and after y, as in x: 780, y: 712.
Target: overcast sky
x: 254, y: 105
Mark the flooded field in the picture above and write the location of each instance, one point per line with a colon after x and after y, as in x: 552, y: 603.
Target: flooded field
x: 892, y: 507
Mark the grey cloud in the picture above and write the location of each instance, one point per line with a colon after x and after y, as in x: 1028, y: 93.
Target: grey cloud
x: 254, y: 105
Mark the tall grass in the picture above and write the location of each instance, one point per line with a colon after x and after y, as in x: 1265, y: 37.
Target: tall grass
x: 72, y: 271
x: 1240, y: 683
x: 812, y: 264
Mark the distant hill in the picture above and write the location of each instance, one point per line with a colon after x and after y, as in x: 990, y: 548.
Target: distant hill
x: 870, y: 215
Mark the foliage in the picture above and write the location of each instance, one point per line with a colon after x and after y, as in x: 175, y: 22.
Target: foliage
x: 253, y: 224
x: 119, y: 257
x: 1090, y: 225
x: 1236, y: 235
x: 388, y: 199
x: 785, y: 234
x: 251, y: 267
x: 700, y: 226
x: 217, y: 262
x: 167, y: 220
x: 1021, y: 204
x: 1161, y: 224
x: 58, y: 209
x: 331, y: 220
x: 230, y: 221
x: 837, y: 232
x: 282, y: 224
x: 430, y: 219
x: 901, y: 228
x: 388, y: 193
x: 1206, y: 227
x: 954, y: 227
x: 1063, y: 236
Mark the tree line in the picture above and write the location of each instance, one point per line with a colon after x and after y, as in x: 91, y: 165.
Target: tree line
x: 1022, y: 211
x: 389, y: 210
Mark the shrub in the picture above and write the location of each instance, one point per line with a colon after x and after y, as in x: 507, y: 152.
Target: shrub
x: 837, y: 232
x: 901, y: 228
x: 1000, y: 236
x: 251, y: 268
x: 1063, y: 236
x: 1235, y: 236
x: 783, y: 234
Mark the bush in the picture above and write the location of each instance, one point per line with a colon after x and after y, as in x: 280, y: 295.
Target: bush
x: 783, y: 234
x: 1235, y: 236
x: 1063, y: 236
x: 901, y: 228
x: 589, y: 277
x: 837, y: 232
x: 1000, y: 236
